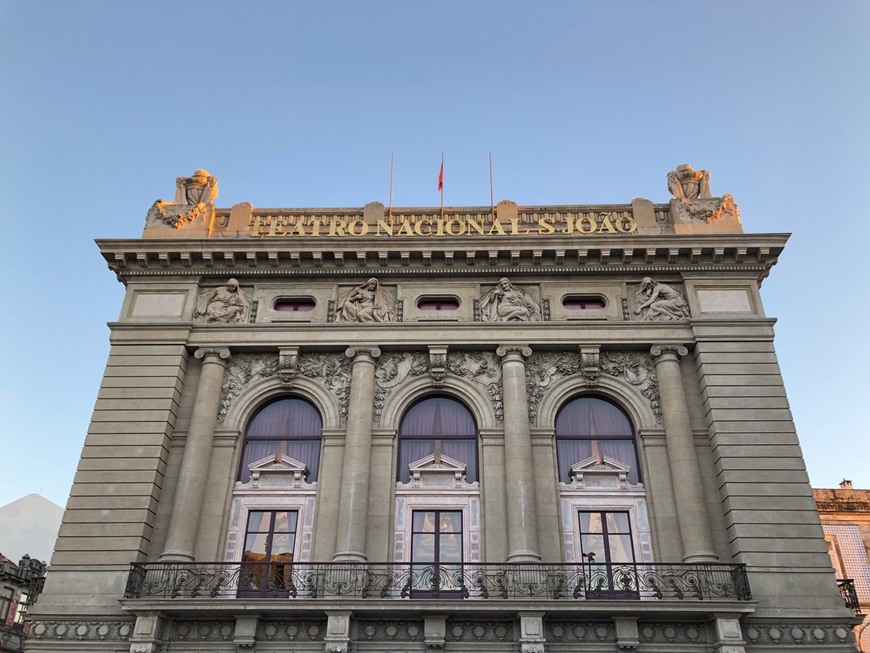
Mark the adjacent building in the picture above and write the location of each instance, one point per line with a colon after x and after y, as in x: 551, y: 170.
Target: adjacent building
x: 20, y: 586
x: 507, y: 428
x: 845, y: 514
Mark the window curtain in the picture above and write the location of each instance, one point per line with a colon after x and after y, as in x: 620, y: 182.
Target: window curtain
x: 290, y: 427
x: 438, y: 420
x: 590, y: 426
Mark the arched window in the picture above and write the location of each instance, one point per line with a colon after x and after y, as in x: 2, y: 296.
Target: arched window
x: 588, y: 427
x: 437, y: 425
x: 289, y: 426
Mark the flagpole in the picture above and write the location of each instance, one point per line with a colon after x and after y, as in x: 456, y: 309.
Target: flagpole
x: 491, y: 194
x: 390, y: 214
x: 441, y: 185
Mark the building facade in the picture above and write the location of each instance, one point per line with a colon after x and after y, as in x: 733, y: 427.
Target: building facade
x: 509, y: 428
x: 20, y: 586
x: 845, y: 514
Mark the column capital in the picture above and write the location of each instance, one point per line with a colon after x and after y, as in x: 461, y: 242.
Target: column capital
x: 506, y: 350
x: 221, y: 352
x: 663, y: 350
x: 353, y: 352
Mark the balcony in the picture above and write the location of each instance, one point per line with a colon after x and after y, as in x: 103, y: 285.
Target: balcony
x: 850, y: 596
x: 375, y: 582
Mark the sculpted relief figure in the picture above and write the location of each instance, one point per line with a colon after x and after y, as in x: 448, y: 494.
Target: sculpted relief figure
x: 226, y: 305
x: 507, y: 303
x: 366, y: 303
x: 194, y: 197
x: 659, y: 302
x: 692, y: 199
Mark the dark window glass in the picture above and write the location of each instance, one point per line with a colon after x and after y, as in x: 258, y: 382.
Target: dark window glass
x: 294, y: 305
x: 437, y: 425
x: 436, y: 541
x: 290, y: 427
x: 582, y: 303
x: 593, y: 427
x: 437, y: 304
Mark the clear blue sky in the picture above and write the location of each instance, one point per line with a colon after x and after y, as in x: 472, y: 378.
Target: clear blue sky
x: 105, y: 103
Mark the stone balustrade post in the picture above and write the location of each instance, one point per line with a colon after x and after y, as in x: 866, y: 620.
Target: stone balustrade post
x: 683, y: 460
x: 522, y: 522
x: 353, y: 504
x: 196, y: 459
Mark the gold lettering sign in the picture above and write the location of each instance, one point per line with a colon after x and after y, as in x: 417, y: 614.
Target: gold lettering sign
x: 437, y: 226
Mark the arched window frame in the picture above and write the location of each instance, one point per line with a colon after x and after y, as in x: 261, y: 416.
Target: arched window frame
x: 603, y: 445
x: 460, y: 445
x: 306, y: 447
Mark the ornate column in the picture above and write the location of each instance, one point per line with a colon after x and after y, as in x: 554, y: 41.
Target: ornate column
x: 682, y: 458
x: 190, y: 490
x: 353, y: 505
x: 522, y: 523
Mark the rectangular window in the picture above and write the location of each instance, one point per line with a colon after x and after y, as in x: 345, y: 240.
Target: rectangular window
x: 7, y: 595
x: 436, y: 554
x: 270, y: 540
x: 608, y: 555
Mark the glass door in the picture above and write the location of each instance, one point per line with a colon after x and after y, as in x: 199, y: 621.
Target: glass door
x: 608, y: 555
x: 436, y: 554
x: 268, y: 557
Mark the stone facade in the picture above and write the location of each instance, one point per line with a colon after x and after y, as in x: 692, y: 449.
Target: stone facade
x: 512, y: 312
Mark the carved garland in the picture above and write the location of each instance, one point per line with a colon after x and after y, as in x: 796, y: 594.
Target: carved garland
x: 544, y: 369
x: 392, y: 370
x: 331, y: 371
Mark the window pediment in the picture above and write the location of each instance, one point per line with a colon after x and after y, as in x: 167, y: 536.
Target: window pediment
x: 278, y: 471
x: 446, y: 472
x: 605, y: 472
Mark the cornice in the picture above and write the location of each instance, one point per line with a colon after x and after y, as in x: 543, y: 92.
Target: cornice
x: 461, y: 255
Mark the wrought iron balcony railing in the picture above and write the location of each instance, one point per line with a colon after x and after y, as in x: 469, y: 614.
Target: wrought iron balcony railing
x: 473, y: 581
x: 850, y: 596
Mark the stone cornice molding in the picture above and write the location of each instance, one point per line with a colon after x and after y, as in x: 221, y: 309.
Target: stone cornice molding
x: 467, y: 255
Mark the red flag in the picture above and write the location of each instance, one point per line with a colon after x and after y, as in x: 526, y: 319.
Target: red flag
x: 441, y: 177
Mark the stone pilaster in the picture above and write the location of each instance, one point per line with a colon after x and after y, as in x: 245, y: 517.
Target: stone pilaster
x: 522, y: 520
x: 353, y: 505
x: 695, y: 533
x: 190, y: 491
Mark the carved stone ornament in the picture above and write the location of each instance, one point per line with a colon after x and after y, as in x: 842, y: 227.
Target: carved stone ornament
x: 659, y: 302
x: 590, y: 358
x: 543, y: 370
x: 482, y: 368
x: 692, y: 200
x: 82, y: 630
x: 368, y: 302
x: 637, y: 369
x: 288, y: 362
x: 437, y: 364
x: 508, y: 303
x: 228, y: 304
x: 331, y: 371
x: 391, y: 371
x: 194, y: 199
